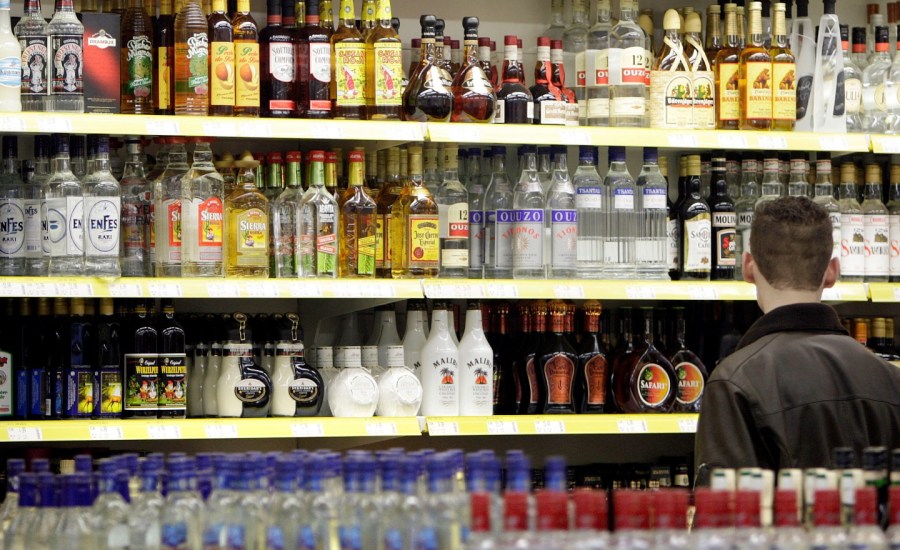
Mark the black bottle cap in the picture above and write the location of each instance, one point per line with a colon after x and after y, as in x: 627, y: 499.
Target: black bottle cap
x: 651, y: 155
x: 881, y: 34
x: 843, y: 458
x: 802, y: 8
x: 766, y: 8
x: 895, y: 460
x: 288, y: 9
x: 41, y: 146
x: 788, y: 9
x: 874, y: 458
x: 10, y: 147
x: 829, y: 6
x: 428, y: 23
x: 845, y: 31
x: 273, y: 7
x: 102, y: 144
x: 859, y: 35
x: 312, y: 8
x: 395, y: 24
x: 823, y: 155
x: 498, y: 150
x: 470, y: 25
x: 60, y: 143
x: 77, y: 145
x: 439, y: 26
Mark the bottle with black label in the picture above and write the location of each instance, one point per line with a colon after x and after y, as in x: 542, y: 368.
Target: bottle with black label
x: 80, y: 384
x: 141, y: 365
x: 297, y: 388
x: 173, y: 377
x: 244, y: 389
x: 724, y: 220
x: 108, y: 364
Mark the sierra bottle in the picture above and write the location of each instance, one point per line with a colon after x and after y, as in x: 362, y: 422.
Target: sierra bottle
x: 428, y: 96
x: 202, y: 211
x: 246, y: 239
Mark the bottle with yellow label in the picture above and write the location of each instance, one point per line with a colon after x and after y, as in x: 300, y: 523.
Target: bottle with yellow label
x: 221, y: 62
x: 357, y: 226
x: 247, y: 225
x: 728, y: 59
x: 756, y: 77
x: 671, y: 89
x: 384, y: 67
x: 387, y: 199
x: 164, y: 42
x: 415, y: 242
x: 784, y: 67
x: 246, y: 58
x: 348, y: 66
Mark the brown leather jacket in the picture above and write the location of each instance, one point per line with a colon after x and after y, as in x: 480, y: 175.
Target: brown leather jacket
x: 796, y: 387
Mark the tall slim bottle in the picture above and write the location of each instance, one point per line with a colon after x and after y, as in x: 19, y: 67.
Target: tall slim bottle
x: 744, y: 210
x: 191, y: 66
x: 167, y: 215
x: 357, y: 227
x: 498, y: 207
x: 852, y: 80
x: 164, y: 60
x: 597, y: 67
x: 202, y: 214
x: 140, y: 365
x: 136, y: 61
x: 279, y: 78
x: 246, y: 61
x: 384, y: 67
x: 622, y: 217
x: 824, y: 196
x: 348, y: 66
x: 221, y: 62
x: 63, y: 210
x: 875, y: 228
x: 755, y: 87
x: 66, y: 55
x: 723, y: 222
x: 527, y: 237
x: 787, y: 104
x: 318, y: 247
x: 515, y: 104
x: 34, y: 41
x: 556, y: 366
x: 852, y: 228
x: 453, y: 212
x: 37, y: 240
x: 830, y: 112
x: 728, y: 68
x: 284, y: 217
x: 12, y: 212
x: 173, y: 380
x: 313, y: 66
x: 628, y: 82
x: 102, y: 211
x: 589, y: 203
x: 696, y: 228
x: 592, y: 377
x: 476, y: 367
x: 137, y: 209
x: 652, y: 192
x: 562, y: 222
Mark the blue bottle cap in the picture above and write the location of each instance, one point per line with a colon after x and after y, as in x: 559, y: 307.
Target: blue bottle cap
x: 616, y: 154
x: 651, y: 155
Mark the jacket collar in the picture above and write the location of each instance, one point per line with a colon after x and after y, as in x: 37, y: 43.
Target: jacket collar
x: 809, y: 317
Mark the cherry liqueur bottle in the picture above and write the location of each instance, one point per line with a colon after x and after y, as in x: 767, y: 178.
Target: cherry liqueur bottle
x: 474, y: 99
x: 529, y: 372
x: 645, y: 381
x: 348, y: 67
x: 164, y: 58
x: 427, y: 98
x: 279, y: 75
x: 593, y: 368
x: 313, y: 65
x: 548, y: 105
x: 514, y: 100
x: 384, y: 68
x: 557, y: 365
x: 689, y: 370
x: 221, y: 61
x: 136, y: 61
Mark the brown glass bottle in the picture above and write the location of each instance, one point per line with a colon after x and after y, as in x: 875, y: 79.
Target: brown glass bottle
x: 533, y: 390
x: 644, y: 381
x: 474, y: 99
x: 164, y: 60
x: 313, y: 67
x: 519, y: 343
x: 279, y: 75
x: 499, y: 338
x: 727, y: 73
x: 557, y: 365
x: 221, y: 61
x: 785, y: 103
x: 591, y: 380
x: 136, y: 61
x: 385, y: 202
x: 348, y: 67
x: 415, y: 58
x: 514, y: 100
x: 756, y: 77
x: 690, y: 372
x: 384, y: 67
x: 427, y: 98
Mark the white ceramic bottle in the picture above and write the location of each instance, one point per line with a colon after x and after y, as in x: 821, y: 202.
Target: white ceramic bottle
x: 476, y: 367
x: 297, y: 388
x: 213, y: 368
x: 399, y: 390
x: 370, y: 348
x: 243, y: 389
x: 388, y: 339
x: 440, y: 367
x: 353, y: 393
x: 416, y: 335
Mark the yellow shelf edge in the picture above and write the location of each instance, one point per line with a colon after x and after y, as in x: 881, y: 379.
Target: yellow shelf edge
x: 583, y: 424
x: 884, y: 292
x: 587, y: 289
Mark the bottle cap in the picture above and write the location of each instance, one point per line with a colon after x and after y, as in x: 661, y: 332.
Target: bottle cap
x: 874, y: 458
x: 651, y: 155
x: 616, y: 154
x: 693, y: 23
x: 842, y: 458
x: 672, y: 20
x: 510, y: 40
x: 294, y: 156
x: 543, y: 41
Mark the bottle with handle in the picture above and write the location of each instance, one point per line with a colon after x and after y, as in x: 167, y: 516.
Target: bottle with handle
x: 297, y: 388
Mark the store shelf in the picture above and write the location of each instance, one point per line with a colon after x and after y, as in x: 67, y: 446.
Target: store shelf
x: 608, y: 424
x: 884, y: 292
x: 226, y: 428
x: 75, y: 287
x: 885, y: 144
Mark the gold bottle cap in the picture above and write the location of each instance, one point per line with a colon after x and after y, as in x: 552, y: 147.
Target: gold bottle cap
x: 24, y: 307
x: 889, y: 327
x: 76, y: 306
x: 646, y: 23
x: 693, y: 165
x: 451, y: 156
x: 672, y: 20
x: 848, y: 172
x: 592, y: 307
x: 106, y: 306
x: 714, y: 8
x: 895, y: 173
x: 539, y: 307
x: 730, y: 8
x: 693, y: 23
x: 873, y: 173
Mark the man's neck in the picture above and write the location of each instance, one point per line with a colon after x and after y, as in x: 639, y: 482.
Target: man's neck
x: 772, y: 299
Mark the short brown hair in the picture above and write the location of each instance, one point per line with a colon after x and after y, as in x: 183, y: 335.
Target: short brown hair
x: 791, y: 242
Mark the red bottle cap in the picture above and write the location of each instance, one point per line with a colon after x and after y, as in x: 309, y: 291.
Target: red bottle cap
x: 510, y: 40
x: 294, y: 156
x: 519, y: 42
x: 454, y: 44
x: 671, y: 508
x: 417, y: 43
x: 331, y: 157
x: 484, y: 42
x: 556, y: 45
x: 552, y: 511
x: 591, y: 510
x: 177, y: 139
x: 713, y: 508
x: 260, y: 157
x: 275, y: 158
x: 786, y: 509
x: 543, y: 41
x: 631, y: 509
x: 317, y: 156
x: 827, y: 510
x: 866, y: 504
x: 493, y: 46
x: 357, y: 156
x: 746, y: 509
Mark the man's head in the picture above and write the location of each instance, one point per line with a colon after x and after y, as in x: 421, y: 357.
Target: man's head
x: 791, y: 246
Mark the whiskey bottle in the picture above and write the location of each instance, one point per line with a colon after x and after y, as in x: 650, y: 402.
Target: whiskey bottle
x: 485, y: 49
x: 279, y: 74
x: 592, y: 377
x: 357, y: 227
x: 202, y: 210
x: 318, y: 246
x: 415, y: 245
x: 221, y: 61
x: 514, y: 100
x: 645, y: 381
x: 723, y: 223
x: 756, y: 80
x: 348, y: 67
x: 690, y: 372
x: 384, y: 66
x: 313, y: 66
x: 474, y: 99
x: 453, y: 211
x: 500, y: 341
x: 428, y: 97
x: 247, y: 226
x: 784, y: 68
x: 442, y: 51
x: 728, y: 65
x: 694, y: 221
x: 557, y: 365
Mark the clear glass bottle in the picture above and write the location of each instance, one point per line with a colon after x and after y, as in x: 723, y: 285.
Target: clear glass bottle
x: 318, y: 224
x: 597, y: 67
x: 183, y: 514
x: 557, y: 20
x: 284, y: 216
x: 33, y: 39
x: 203, y: 216
x: 852, y: 227
x: 824, y: 196
x: 63, y: 213
x: 167, y: 215
x: 562, y: 223
x: 575, y: 42
x: 66, y: 52
x: 852, y: 82
x: 476, y: 194
x: 622, y: 217
x: 102, y: 209
x: 136, y: 218
x: 528, y: 221
x: 874, y: 82
x: 357, y: 227
x: 453, y: 211
x: 498, y: 203
x: 191, y: 63
x: 628, y: 86
x: 744, y: 209
x: 246, y: 226
x: 589, y: 204
x: 650, y: 248
x: 875, y: 227
x: 12, y: 212
x: 75, y: 525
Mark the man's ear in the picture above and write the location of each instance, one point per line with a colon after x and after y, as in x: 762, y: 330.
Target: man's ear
x: 832, y: 272
x: 748, y: 267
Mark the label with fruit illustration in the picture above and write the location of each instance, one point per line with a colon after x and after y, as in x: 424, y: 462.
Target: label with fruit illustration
x: 424, y: 243
x: 654, y: 385
x: 595, y: 376
x: 690, y: 383
x: 388, y: 73
x: 252, y: 238
x: 697, y: 243
x: 758, y: 91
x: 559, y: 371
x: 210, y: 225
x: 80, y: 385
x: 172, y: 382
x: 110, y: 390
x: 164, y: 77
x: 140, y: 66
x: 784, y: 92
x: 196, y: 51
x: 247, y: 59
x: 141, y: 374
x: 350, y: 74
x: 222, y: 78
x: 729, y: 95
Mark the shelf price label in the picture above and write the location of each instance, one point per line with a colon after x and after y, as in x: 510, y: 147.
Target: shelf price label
x: 12, y: 289
x: 307, y: 429
x: 568, y: 292
x: 405, y: 131
x: 164, y: 290
x: 897, y: 294
x: 381, y: 428
x: 54, y: 125
x: 223, y: 290
x: 632, y: 426
x: 728, y: 141
x: 105, y: 433
x: 687, y: 426
x: 262, y: 290
x: 221, y: 431
x: 889, y: 144
x: 164, y: 128
x: 12, y: 124
x: 305, y: 290
x: 461, y: 290
x: 549, y: 426
x: 500, y: 290
x: 39, y: 289
x: 255, y: 130
x: 163, y: 431
x: 504, y: 427
x: 833, y: 143
x: 771, y: 142
x: 220, y: 129
x: 326, y: 131
x: 440, y: 427
x: 125, y: 290
x: 24, y: 433
x: 640, y: 293
x: 462, y: 133
x: 683, y: 140
x: 703, y: 293
x: 74, y: 290
x: 575, y: 137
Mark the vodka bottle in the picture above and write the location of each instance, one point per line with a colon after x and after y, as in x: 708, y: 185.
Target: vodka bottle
x: 17, y: 533
x: 824, y: 196
x: 557, y: 20
x: 439, y: 504
x: 12, y: 211
x: 589, y: 206
x: 64, y: 214
x: 652, y: 192
x: 167, y: 212
x: 203, y: 216
x: 66, y: 57
x: 528, y: 222
x: 575, y: 40
x: 415, y: 336
x: 183, y: 514
x: 75, y: 526
x: 623, y: 218
x: 743, y: 210
x: 828, y: 112
x: 318, y: 245
x: 146, y: 505
x: 439, y: 372
x: 828, y: 532
x: 284, y: 218
x: 476, y: 367
x: 283, y: 523
x: 748, y: 533
x: 597, y: 67
x: 33, y: 39
x: 213, y: 366
x: 37, y: 239
x: 798, y: 186
x: 475, y: 190
x: 498, y: 217
x: 671, y: 519
x: 453, y: 211
x: 136, y: 219
x: 102, y: 209
x: 852, y: 81
x: 632, y: 521
x: 628, y: 76
x: 893, y: 533
x: 110, y: 509
x: 221, y: 501
x: 865, y: 533
x: 875, y: 228
x: 711, y: 520
x: 562, y: 223
x: 874, y: 82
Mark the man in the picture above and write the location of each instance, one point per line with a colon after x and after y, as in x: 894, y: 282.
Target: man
x: 797, y: 385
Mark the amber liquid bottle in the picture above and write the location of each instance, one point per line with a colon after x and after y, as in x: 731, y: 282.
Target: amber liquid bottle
x: 784, y: 66
x: 474, y: 99
x: 246, y: 59
x: 415, y: 246
x: 221, y: 61
x: 384, y: 68
x: 279, y: 75
x: 542, y: 90
x: 504, y: 381
x: 385, y: 203
x: 689, y: 370
x: 728, y: 69
x: 592, y: 377
x: 645, y: 381
x: 756, y: 77
x: 357, y: 227
x: 514, y: 100
x: 426, y: 98
x: 313, y: 66
x: 136, y: 61
x: 348, y: 67
x: 533, y: 390
x: 557, y: 364
x: 163, y: 68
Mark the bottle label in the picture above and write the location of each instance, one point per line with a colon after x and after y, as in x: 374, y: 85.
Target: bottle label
x: 247, y: 60
x: 784, y: 92
x: 476, y: 239
x: 531, y: 379
x: 75, y: 230
x: 140, y: 66
x: 877, y: 258
x: 623, y: 199
x: 379, y: 238
x: 758, y: 91
x: 169, y: 249
x: 11, y: 73
x: 110, y: 380
x: 34, y: 65
x: 209, y: 227
x: 252, y: 246
x: 560, y: 372
x: 654, y: 198
x: 174, y: 536
x: 251, y: 391
x: 12, y: 228
x: 350, y: 74
x: 836, y: 235
x: 564, y: 240
x: 196, y: 52
x: 852, y: 95
x: 320, y: 70
x: 697, y: 243
x: 499, y: 244
x: 703, y: 85
x: 281, y: 61
x: 729, y: 96
x: 388, y: 73
x: 221, y: 74
x: 690, y: 383
x: 671, y: 99
x: 445, y: 370
x: 673, y: 237
x: 627, y: 106
x: 528, y: 236
x: 723, y: 223
x: 68, y: 64
x: 853, y: 247
x: 894, y: 230
x: 304, y: 391
x: 135, y: 222
x: 6, y: 384
x: 362, y: 389
x: 80, y: 391
x: 480, y: 371
x: 163, y: 82
x: 326, y: 241
x: 627, y: 66
x: 369, y: 357
x: 500, y: 112
x: 595, y: 376
x: 873, y: 98
x: 346, y: 356
x: 173, y: 382
x: 102, y: 218
x: 654, y: 385
x: 396, y: 356
x: 553, y: 112
x: 598, y: 65
x: 589, y: 198
x: 454, y: 221
x: 141, y: 376
x: 424, y: 244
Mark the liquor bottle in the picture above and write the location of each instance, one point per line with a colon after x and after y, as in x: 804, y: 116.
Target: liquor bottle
x: 557, y: 20
x: 702, y: 77
x: 622, y: 217
x: 652, y: 195
x: 191, y: 67
x: 690, y: 372
x: 439, y: 372
x: 695, y: 221
x: 476, y: 367
x: 384, y: 204
x: 313, y: 67
x: 528, y: 368
x: 875, y: 228
x: 628, y: 90
x: 671, y: 70
x: 136, y: 61
x: 284, y: 217
x: 592, y: 375
x: 244, y: 388
x: 247, y: 212
x: 476, y: 194
x: 728, y: 68
x: 557, y: 366
x: 173, y: 375
x: 63, y: 213
x: 221, y: 62
x: 76, y: 156
x: 432, y: 177
x: 645, y: 381
x: 852, y: 76
x: 498, y: 337
x: 33, y: 39
x: 384, y: 66
x: 527, y: 226
x: 453, y: 212
x: 108, y: 362
x: 247, y: 61
x: 755, y: 79
x: 514, y: 100
x: 589, y: 210
x: 575, y: 42
x: 562, y: 223
x: 486, y: 62
x: 829, y: 110
x: 744, y: 210
x: 442, y: 50
x: 597, y: 67
x: 348, y: 67
x: 893, y: 207
x: 824, y: 196
x: 498, y: 201
x: 428, y: 98
x: 874, y: 118
x: 713, y: 33
x: 723, y: 222
x: 202, y: 212
x: 548, y: 105
x: 66, y: 50
x: 572, y: 106
x: 474, y: 99
x: 164, y: 60
x: 787, y: 105
x: 102, y: 210
x: 415, y: 245
x: 280, y: 77
x: 168, y: 212
x: 357, y: 227
x: 12, y: 212
x: 852, y: 227
x: 274, y: 176
x: 37, y: 240
x: 140, y: 365
x: 318, y: 247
